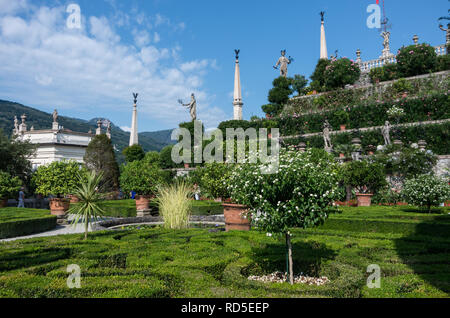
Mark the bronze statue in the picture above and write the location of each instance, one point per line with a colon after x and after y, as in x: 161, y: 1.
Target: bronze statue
x: 135, y: 95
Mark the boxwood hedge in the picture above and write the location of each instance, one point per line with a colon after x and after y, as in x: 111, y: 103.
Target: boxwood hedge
x: 19, y: 222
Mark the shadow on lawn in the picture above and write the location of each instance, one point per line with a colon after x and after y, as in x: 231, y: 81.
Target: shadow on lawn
x: 34, y: 257
x: 427, y: 253
x: 307, y: 258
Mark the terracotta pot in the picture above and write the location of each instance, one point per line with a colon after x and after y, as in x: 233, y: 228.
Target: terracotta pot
x: 59, y: 207
x: 73, y: 199
x: 3, y: 203
x: 269, y: 136
x: 343, y: 127
x: 235, y: 217
x: 370, y: 153
x: 447, y: 203
x: 402, y: 203
x: 341, y: 155
x: 186, y: 166
x: 143, y: 202
x: 364, y: 199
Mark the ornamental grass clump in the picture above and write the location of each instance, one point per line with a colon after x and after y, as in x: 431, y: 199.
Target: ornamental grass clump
x: 175, y: 204
x: 426, y: 191
x: 89, y: 194
x: 300, y: 194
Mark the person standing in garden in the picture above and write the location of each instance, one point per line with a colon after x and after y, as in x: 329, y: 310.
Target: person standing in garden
x: 21, y: 198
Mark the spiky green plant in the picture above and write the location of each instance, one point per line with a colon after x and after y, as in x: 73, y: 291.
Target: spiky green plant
x: 88, y: 208
x: 175, y: 204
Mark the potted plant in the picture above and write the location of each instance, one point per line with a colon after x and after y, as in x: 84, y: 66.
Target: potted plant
x: 295, y: 191
x: 9, y: 187
x: 58, y: 179
x: 142, y: 178
x: 345, y: 150
x: 342, y: 118
x: 214, y: 181
x: 365, y: 177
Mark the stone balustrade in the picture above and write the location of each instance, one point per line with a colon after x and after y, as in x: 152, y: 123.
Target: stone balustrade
x: 366, y: 66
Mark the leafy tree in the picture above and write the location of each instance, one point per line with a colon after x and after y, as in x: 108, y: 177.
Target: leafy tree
x: 416, y: 60
x: 299, y: 83
x: 365, y: 177
x: 60, y: 178
x: 165, y: 156
x: 318, y: 77
x: 88, y: 208
x: 134, y: 153
x: 426, y: 191
x: 278, y: 95
x: 152, y: 157
x: 214, y: 178
x: 141, y: 177
x: 14, y: 156
x: 9, y: 186
x: 405, y: 161
x: 100, y: 158
x: 340, y: 73
x: 300, y: 194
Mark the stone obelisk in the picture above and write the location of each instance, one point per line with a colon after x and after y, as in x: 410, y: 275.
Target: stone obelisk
x: 323, y: 41
x: 134, y: 129
x: 237, y: 102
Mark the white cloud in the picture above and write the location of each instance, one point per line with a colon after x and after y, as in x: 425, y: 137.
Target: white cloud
x: 156, y: 37
x: 91, y: 68
x: 141, y: 38
x: 102, y: 31
x: 125, y: 128
x: 12, y: 6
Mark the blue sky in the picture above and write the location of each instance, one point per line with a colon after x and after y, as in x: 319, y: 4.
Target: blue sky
x: 166, y: 49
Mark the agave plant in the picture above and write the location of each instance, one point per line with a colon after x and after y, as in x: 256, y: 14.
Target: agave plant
x: 88, y: 208
x: 175, y: 204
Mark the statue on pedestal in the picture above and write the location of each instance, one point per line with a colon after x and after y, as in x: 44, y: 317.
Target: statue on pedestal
x: 448, y: 32
x: 386, y: 35
x: 326, y: 136
x: 283, y: 62
x: 16, y: 125
x: 386, y: 133
x: 192, y: 107
x: 55, y: 116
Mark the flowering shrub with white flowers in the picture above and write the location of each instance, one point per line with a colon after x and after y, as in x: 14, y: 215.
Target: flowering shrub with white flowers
x: 426, y: 191
x: 300, y: 194
x: 395, y: 112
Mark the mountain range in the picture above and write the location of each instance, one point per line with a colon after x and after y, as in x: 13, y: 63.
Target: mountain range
x: 150, y: 141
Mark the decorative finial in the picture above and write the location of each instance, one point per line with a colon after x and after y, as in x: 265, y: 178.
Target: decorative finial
x: 416, y: 39
x: 237, y: 54
x: 322, y: 14
x: 135, y: 95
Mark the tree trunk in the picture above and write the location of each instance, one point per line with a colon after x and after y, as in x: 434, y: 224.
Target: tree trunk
x: 86, y: 228
x: 291, y: 265
x: 348, y: 190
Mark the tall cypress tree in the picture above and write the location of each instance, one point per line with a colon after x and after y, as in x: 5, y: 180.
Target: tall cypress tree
x: 100, y: 157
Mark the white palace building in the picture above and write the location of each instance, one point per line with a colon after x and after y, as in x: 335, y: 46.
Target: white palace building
x: 55, y: 144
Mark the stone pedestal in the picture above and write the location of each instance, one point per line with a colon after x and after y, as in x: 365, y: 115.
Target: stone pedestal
x: 55, y: 126
x: 144, y: 213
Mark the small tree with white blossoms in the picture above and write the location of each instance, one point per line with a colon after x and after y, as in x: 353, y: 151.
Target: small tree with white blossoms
x: 300, y: 194
x: 426, y: 191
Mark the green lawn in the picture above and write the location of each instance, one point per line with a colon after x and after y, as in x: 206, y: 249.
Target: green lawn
x: 197, y: 263
x: 127, y: 208
x: 20, y: 214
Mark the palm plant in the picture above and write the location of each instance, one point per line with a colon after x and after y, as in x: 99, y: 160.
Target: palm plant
x: 175, y: 204
x: 88, y: 208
